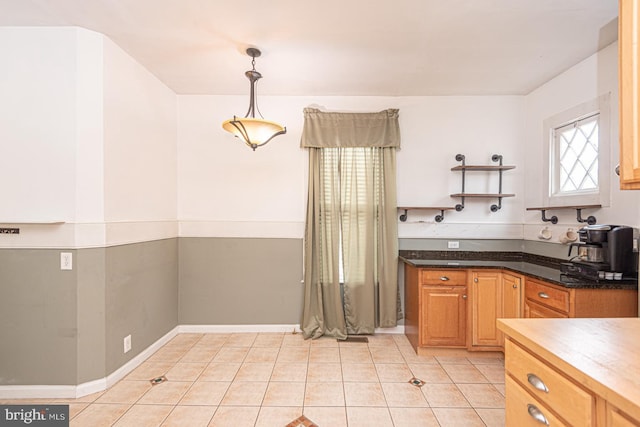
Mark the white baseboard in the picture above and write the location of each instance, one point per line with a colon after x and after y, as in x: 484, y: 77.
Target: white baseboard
x: 37, y: 391
x: 220, y: 329
x: 125, y: 369
x: 90, y: 387
x: 101, y: 384
x: 397, y: 330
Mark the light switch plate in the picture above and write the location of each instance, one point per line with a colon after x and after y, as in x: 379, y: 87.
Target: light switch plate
x: 127, y: 343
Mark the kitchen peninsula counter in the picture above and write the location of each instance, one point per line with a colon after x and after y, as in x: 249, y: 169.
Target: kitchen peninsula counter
x: 599, y: 355
x: 550, y: 274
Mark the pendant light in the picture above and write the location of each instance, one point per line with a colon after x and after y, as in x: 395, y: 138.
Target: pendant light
x: 255, y: 132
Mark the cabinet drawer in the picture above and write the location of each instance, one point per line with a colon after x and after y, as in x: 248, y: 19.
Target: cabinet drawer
x: 443, y: 277
x: 567, y: 399
x: 547, y: 295
x: 533, y: 310
x: 521, y: 408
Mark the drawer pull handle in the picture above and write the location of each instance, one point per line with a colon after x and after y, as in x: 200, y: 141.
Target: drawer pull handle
x: 537, y: 414
x: 543, y: 295
x: 536, y: 382
x: 444, y: 278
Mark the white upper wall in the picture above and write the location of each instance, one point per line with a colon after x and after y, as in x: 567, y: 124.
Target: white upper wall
x: 99, y: 142
x: 38, y: 124
x: 226, y: 189
x: 140, y: 141
x: 92, y: 140
x: 595, y: 76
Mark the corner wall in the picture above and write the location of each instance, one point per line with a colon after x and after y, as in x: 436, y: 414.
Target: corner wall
x: 94, y: 174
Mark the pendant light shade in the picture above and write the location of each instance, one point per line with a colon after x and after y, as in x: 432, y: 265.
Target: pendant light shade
x: 255, y: 132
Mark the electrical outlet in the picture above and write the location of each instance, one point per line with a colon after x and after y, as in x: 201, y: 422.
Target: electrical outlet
x: 453, y: 245
x: 127, y: 343
x: 66, y: 261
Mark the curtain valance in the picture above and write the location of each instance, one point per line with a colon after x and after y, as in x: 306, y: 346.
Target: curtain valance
x: 331, y: 129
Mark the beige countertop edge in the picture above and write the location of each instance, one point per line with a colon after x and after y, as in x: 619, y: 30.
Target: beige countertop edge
x: 601, y: 354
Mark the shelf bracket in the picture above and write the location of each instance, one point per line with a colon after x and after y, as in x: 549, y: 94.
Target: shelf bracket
x: 589, y: 220
x: 496, y: 208
x: 460, y: 206
x: 498, y: 158
x: 553, y: 219
x: 438, y: 218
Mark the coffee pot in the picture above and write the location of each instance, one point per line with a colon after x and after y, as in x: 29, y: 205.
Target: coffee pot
x: 610, y: 245
x: 588, y: 252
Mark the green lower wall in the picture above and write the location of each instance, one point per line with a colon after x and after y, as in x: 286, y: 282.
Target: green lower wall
x: 38, y: 327
x: 67, y: 327
x: 240, y: 281
x: 141, y: 291
x: 91, y: 320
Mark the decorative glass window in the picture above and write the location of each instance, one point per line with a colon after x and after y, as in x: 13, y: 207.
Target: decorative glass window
x: 576, y: 162
x: 576, y: 152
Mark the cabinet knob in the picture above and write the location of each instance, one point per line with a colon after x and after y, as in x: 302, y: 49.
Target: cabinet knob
x: 464, y: 297
x: 475, y: 279
x: 444, y: 278
x: 537, y: 383
x: 515, y: 286
x: 537, y: 414
x: 543, y: 295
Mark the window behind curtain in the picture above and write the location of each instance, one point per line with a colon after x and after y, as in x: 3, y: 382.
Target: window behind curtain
x: 343, y: 167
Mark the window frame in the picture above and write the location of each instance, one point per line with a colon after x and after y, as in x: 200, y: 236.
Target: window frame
x: 600, y: 106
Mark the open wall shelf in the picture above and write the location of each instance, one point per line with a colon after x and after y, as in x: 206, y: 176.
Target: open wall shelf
x: 463, y: 168
x: 438, y: 218
x: 554, y: 219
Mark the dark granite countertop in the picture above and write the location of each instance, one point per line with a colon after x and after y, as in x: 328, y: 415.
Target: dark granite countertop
x: 550, y: 273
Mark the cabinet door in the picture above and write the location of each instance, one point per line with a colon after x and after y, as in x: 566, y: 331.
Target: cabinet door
x: 629, y: 19
x: 486, y: 307
x: 511, y: 298
x: 443, y: 316
x: 616, y: 418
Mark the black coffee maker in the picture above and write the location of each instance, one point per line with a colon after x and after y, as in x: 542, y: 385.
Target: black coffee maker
x: 605, y: 252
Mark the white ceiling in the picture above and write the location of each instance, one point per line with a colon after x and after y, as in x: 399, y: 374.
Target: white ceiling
x: 342, y: 47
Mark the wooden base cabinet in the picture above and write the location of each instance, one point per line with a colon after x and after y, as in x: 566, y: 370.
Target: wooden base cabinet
x: 435, y: 307
x: 485, y: 289
x: 616, y: 418
x: 568, y: 372
x: 443, y: 316
x: 494, y: 294
x: 546, y: 388
x: 512, y: 298
x: 544, y: 299
x: 512, y: 295
x: 460, y: 307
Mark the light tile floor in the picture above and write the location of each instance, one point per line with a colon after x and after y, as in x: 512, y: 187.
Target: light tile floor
x: 269, y: 379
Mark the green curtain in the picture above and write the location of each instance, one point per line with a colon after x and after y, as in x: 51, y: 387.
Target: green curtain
x: 351, y: 215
